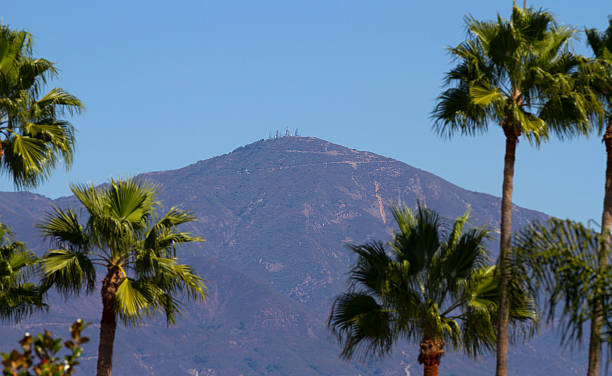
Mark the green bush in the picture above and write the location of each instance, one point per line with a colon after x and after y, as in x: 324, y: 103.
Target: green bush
x: 39, y: 355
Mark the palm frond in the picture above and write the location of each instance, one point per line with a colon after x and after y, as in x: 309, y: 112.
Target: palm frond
x: 25, y: 159
x: 173, y: 277
x: 131, y: 200
x: 21, y: 301
x: 484, y: 96
x: 361, y: 325
x: 418, y: 243
x: 135, y: 300
x: 68, y: 271
x: 465, y: 256
x: 90, y: 197
x: 370, y: 271
x: 455, y: 234
x: 455, y: 112
x: 62, y: 228
x: 171, y: 307
x: 162, y: 235
x: 478, y: 330
x: 56, y: 102
x: 32, y: 74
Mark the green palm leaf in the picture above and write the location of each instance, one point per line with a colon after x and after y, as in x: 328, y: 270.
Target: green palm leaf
x: 173, y: 277
x: 62, y: 227
x: 162, y: 235
x: 484, y: 96
x: 68, y: 271
x: 357, y: 318
x: 56, y: 102
x: 134, y: 301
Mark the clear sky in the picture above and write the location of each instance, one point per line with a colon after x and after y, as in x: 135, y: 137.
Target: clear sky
x: 168, y: 83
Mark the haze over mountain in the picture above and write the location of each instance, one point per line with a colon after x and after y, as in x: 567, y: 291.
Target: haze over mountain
x: 276, y: 214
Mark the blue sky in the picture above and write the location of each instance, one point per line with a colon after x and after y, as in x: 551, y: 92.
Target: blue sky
x: 169, y: 83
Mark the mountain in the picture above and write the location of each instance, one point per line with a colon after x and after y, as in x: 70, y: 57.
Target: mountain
x: 276, y: 215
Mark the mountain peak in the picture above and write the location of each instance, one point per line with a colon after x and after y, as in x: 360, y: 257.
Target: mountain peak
x: 289, y: 152
x: 304, y: 144
x: 280, y: 211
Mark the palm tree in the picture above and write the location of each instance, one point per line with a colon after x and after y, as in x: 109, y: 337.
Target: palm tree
x: 561, y: 257
x: 18, y: 297
x: 33, y: 138
x: 516, y: 73
x: 431, y: 289
x: 136, y: 250
x: 599, y: 78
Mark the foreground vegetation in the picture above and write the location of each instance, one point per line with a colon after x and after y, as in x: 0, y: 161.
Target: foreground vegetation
x: 39, y: 355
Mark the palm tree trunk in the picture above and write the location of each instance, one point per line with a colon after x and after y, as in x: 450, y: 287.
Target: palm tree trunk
x: 606, y: 220
x: 108, y: 324
x: 504, y: 250
x: 430, y: 353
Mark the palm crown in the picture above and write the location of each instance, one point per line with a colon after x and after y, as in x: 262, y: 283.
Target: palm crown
x: 34, y: 139
x: 123, y: 236
x: 431, y: 288
x: 136, y: 249
x: 517, y: 73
